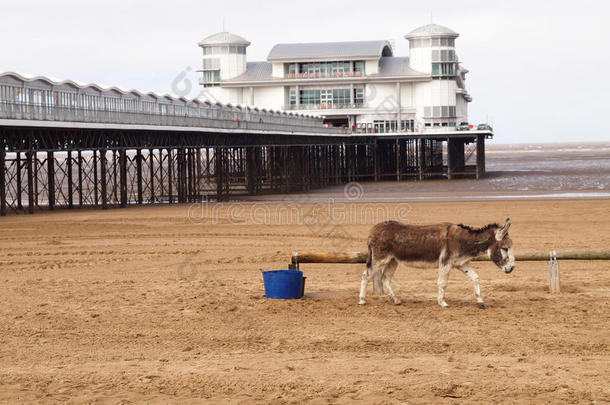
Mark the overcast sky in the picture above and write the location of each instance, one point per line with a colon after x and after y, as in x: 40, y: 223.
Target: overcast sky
x: 538, y: 69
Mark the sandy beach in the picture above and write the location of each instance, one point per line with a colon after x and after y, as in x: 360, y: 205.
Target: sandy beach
x: 166, y: 304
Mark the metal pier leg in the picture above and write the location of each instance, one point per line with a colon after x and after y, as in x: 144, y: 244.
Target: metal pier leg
x: 103, y: 183
x: 80, y: 178
x: 30, y: 163
x: 420, y: 159
x: 2, y: 181
x: 19, y: 183
x: 169, y: 176
x: 151, y: 158
x: 450, y: 153
x: 123, y: 176
x: 70, y: 185
x: 51, y: 176
x: 480, y: 156
x: 139, y: 175
x: 198, y: 175
x: 95, y: 180
x: 398, y: 151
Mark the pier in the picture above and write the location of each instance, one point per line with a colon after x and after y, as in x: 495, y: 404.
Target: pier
x: 64, y: 145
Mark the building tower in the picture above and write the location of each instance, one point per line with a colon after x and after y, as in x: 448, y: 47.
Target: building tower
x: 432, y: 51
x: 224, y: 57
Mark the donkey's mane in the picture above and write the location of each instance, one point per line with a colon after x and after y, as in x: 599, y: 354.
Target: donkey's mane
x: 478, y: 230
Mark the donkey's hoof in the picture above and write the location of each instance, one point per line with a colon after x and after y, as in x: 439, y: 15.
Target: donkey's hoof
x: 482, y: 306
x: 397, y: 301
x: 443, y: 304
x: 362, y: 302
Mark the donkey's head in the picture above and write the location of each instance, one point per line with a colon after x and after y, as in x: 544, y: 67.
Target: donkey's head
x: 501, y: 250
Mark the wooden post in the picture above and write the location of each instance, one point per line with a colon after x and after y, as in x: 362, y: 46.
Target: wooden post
x: 103, y: 182
x: 70, y: 185
x: 2, y: 181
x: 51, y: 179
x: 30, y: 162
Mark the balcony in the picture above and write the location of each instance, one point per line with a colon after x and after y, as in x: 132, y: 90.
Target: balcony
x: 324, y: 75
x: 333, y: 106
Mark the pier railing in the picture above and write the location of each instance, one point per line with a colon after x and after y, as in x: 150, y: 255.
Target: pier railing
x: 203, y: 118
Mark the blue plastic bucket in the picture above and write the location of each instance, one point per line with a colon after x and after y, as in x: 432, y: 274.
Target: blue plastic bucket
x: 284, y: 284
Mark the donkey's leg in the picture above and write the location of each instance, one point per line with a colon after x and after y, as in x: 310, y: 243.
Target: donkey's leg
x: 388, y: 273
x: 366, y: 276
x: 469, y: 271
x: 443, y: 279
x: 375, y: 269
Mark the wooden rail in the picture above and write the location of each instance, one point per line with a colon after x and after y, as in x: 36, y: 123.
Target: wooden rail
x: 360, y: 257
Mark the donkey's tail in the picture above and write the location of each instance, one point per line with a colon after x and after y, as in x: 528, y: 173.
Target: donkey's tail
x: 377, y: 284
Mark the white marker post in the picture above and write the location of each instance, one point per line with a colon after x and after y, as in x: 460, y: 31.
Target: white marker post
x: 554, y: 285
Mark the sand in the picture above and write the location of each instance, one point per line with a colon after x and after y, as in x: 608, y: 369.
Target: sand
x: 147, y: 305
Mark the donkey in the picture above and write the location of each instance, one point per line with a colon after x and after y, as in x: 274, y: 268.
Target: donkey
x: 447, y: 244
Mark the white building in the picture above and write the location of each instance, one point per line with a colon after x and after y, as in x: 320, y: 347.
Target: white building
x: 357, y: 84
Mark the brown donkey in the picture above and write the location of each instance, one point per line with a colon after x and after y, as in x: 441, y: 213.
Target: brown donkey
x: 448, y: 245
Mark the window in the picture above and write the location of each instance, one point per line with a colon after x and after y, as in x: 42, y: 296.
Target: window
x: 293, y: 97
x: 212, y: 76
x: 445, y: 111
x: 443, y: 69
x: 211, y: 64
x: 358, y: 95
x: 443, y: 55
x: 341, y: 96
x: 311, y: 97
x: 359, y: 67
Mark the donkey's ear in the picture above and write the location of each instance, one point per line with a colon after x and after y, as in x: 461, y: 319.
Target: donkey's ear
x: 501, y: 232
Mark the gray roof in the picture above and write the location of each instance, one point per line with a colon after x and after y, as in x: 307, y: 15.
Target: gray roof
x: 388, y: 67
x: 223, y: 38
x: 432, y: 30
x: 396, y: 67
x: 255, y: 72
x: 330, y: 51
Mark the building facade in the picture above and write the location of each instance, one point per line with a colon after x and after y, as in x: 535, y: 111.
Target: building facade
x: 360, y: 85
